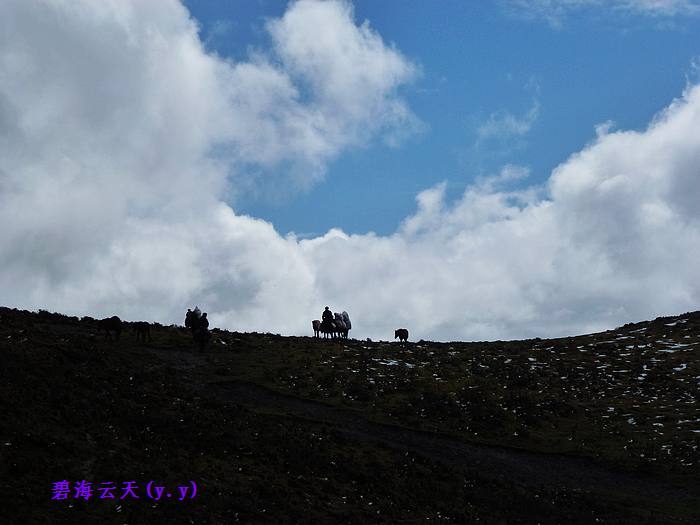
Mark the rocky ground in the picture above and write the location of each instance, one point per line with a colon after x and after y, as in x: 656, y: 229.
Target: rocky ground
x: 601, y: 428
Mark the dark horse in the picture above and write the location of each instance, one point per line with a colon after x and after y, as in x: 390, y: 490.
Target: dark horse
x: 110, y: 324
x: 327, y: 328
x: 402, y: 334
x: 142, y: 330
x: 201, y: 337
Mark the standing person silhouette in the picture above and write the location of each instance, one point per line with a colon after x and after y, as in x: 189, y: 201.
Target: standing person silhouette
x: 201, y: 333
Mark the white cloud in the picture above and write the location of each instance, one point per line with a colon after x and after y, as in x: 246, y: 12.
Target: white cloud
x: 503, y: 132
x: 503, y: 124
x: 613, y: 239
x: 327, y: 85
x: 347, y: 70
x: 120, y: 133
x: 555, y: 12
x: 661, y: 7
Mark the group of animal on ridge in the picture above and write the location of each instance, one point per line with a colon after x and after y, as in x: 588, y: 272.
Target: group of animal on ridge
x: 114, y: 325
x: 195, y: 321
x: 337, y: 325
x: 333, y: 325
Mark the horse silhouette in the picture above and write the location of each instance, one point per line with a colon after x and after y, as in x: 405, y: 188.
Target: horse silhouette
x: 110, y: 324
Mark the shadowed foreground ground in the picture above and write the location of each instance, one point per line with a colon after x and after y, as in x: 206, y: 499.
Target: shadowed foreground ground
x: 598, y: 428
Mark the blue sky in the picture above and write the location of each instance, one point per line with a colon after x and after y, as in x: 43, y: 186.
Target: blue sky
x: 476, y: 60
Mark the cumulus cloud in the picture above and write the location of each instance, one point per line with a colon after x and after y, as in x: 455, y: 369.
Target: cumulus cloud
x: 326, y: 85
x: 611, y: 238
x: 120, y: 136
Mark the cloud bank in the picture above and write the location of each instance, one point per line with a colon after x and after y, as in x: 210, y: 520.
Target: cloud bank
x: 121, y: 138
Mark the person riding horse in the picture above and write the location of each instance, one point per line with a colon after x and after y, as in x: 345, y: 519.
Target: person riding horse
x: 326, y: 319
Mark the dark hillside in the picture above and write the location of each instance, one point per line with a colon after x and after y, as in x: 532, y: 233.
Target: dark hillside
x: 597, y: 428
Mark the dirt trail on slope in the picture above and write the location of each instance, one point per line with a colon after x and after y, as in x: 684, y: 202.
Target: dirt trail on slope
x: 510, y: 465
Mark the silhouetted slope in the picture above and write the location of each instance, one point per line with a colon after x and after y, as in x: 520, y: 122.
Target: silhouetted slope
x: 296, y: 430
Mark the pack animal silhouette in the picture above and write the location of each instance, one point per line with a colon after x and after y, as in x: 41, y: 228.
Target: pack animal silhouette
x: 109, y: 325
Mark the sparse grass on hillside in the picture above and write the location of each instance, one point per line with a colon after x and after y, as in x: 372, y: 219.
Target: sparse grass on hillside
x: 626, y: 396
x: 76, y: 406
